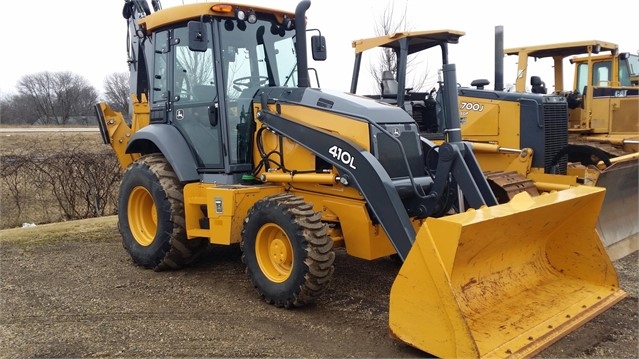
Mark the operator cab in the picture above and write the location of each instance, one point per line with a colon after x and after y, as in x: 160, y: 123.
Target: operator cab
x: 205, y: 75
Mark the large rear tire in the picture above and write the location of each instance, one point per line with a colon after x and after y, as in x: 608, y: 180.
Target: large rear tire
x: 151, y: 216
x: 287, y: 251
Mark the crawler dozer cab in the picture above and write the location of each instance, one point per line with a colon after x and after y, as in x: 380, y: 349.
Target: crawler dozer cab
x: 603, y: 101
x: 230, y: 145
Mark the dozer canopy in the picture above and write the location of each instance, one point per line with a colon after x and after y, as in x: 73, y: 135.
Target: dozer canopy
x: 507, y: 280
x: 563, y: 50
x: 558, y: 52
x: 418, y: 41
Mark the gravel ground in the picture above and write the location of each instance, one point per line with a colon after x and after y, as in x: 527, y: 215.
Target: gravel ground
x: 79, y: 295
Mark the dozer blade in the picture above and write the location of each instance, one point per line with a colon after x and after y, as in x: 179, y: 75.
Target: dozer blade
x: 618, y: 222
x: 507, y: 280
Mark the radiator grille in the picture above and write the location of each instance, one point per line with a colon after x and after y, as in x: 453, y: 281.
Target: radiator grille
x: 556, y: 136
x: 389, y: 154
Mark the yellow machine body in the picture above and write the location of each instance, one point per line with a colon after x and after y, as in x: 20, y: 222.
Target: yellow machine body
x: 339, y: 204
x: 227, y: 205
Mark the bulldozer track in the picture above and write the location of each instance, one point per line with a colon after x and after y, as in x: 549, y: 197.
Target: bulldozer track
x: 506, y: 184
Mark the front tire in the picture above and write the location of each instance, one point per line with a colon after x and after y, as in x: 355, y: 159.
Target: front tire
x: 287, y: 251
x: 151, y: 216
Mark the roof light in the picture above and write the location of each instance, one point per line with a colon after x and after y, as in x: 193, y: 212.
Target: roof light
x: 596, y: 49
x: 251, y: 17
x: 240, y: 14
x: 287, y: 23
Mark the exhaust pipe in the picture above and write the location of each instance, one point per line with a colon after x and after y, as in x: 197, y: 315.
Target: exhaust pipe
x: 499, y: 58
x: 300, y: 32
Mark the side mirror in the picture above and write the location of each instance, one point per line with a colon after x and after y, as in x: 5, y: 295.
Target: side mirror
x: 197, y: 36
x: 318, y: 47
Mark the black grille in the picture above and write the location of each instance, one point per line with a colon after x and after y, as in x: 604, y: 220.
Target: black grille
x: 556, y: 136
x: 389, y: 153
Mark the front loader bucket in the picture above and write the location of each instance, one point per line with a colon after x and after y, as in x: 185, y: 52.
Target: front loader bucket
x: 507, y: 280
x: 618, y: 222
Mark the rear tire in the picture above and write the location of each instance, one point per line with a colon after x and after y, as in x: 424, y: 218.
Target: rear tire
x: 287, y: 251
x: 151, y: 216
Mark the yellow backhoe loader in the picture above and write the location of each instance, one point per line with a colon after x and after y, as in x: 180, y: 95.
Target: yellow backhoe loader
x: 521, y: 140
x: 229, y: 144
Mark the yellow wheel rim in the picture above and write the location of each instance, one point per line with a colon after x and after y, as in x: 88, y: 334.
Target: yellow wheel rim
x: 274, y: 253
x: 142, y: 215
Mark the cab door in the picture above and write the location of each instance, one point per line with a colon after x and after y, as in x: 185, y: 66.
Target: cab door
x: 194, y: 99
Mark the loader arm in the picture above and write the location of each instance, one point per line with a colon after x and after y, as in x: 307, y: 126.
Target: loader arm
x: 367, y: 174
x: 457, y: 158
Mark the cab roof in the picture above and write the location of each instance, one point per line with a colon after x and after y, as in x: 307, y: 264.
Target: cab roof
x: 181, y: 13
x: 417, y: 40
x: 563, y: 49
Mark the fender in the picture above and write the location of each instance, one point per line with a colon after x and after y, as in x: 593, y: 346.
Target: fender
x: 170, y: 142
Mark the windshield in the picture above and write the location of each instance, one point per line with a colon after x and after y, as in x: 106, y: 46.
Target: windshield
x: 633, y: 62
x: 628, y: 68
x: 253, y: 56
x: 256, y: 55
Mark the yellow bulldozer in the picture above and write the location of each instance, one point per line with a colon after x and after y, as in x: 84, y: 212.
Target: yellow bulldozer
x: 522, y: 140
x: 229, y: 144
x: 602, y: 123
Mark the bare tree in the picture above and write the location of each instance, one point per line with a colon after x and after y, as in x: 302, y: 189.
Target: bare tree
x: 393, y: 20
x: 7, y: 116
x: 55, y: 97
x: 117, y: 93
x: 15, y: 110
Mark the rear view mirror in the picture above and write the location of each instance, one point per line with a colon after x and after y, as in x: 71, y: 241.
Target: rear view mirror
x: 318, y: 47
x: 197, y: 36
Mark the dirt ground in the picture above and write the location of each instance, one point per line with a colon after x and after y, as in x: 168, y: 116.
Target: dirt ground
x: 74, y: 292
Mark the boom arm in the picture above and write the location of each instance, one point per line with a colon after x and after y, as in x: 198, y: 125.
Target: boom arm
x: 369, y: 176
x: 133, y: 11
x: 372, y: 180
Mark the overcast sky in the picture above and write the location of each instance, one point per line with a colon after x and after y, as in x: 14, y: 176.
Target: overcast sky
x: 89, y: 37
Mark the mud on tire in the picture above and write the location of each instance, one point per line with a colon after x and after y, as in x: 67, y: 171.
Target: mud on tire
x: 151, y: 216
x: 287, y: 251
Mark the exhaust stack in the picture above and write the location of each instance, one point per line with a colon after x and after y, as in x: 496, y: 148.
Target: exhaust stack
x: 499, y: 58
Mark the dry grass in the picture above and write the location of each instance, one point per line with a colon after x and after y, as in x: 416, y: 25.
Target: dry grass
x: 90, y: 229
x: 25, y: 143
x: 23, y: 199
